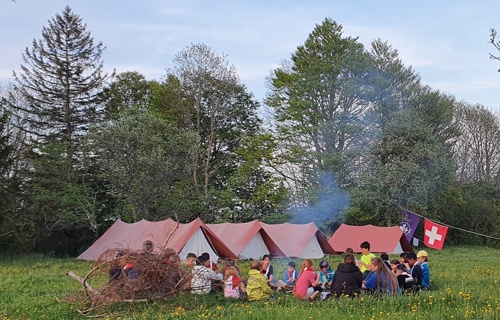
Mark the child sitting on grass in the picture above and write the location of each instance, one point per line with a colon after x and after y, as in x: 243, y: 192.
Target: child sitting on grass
x: 422, y: 258
x: 290, y: 277
x: 365, y: 260
x: 325, y: 275
x: 257, y: 287
x: 233, y: 285
x: 307, y: 284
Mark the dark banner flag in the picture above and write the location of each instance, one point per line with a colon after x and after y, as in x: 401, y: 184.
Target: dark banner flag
x: 409, y: 222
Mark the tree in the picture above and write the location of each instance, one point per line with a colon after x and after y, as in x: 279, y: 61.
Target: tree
x: 394, y: 86
x: 142, y: 157
x: 252, y: 191
x: 409, y: 169
x: 129, y: 89
x: 7, y: 216
x: 495, y: 43
x: 55, y: 98
x: 319, y: 101
x: 220, y: 111
x: 61, y: 79
x: 477, y: 150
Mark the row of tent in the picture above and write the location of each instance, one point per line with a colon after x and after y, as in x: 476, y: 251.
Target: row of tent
x: 250, y: 240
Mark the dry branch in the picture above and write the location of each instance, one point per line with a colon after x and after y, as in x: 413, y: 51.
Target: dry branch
x: 85, y: 284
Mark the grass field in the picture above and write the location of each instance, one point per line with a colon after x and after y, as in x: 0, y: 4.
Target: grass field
x: 465, y: 286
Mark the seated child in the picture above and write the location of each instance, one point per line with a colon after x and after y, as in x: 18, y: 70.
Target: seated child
x: 325, y: 275
x: 307, y: 283
x: 268, y: 270
x: 115, y: 270
x: 422, y: 258
x: 201, y: 282
x: 403, y: 260
x: 385, y: 258
x: 415, y: 270
x: 290, y: 276
x: 394, y: 264
x: 233, y: 285
x: 405, y: 280
x: 366, y: 257
x: 257, y: 287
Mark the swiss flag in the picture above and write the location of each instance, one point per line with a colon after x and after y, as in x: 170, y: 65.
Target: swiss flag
x: 434, y: 234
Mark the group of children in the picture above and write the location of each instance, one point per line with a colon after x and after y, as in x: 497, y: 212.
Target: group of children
x: 369, y: 274
x: 408, y: 274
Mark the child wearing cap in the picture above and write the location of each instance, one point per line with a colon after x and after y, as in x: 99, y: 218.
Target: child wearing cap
x: 325, y: 275
x: 422, y: 258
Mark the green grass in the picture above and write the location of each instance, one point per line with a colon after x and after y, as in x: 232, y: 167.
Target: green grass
x: 465, y: 282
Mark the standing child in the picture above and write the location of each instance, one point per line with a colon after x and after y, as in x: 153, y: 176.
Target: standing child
x: 422, y: 258
x: 257, y: 287
x: 306, y: 283
x: 366, y: 258
x: 233, y: 285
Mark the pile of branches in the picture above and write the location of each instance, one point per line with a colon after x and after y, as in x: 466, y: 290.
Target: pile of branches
x: 132, y: 276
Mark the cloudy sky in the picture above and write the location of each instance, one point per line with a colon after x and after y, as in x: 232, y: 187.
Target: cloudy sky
x: 445, y: 41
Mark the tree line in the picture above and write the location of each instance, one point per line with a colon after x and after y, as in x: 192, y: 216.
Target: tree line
x: 345, y: 134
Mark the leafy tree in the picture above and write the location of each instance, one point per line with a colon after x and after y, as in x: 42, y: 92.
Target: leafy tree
x: 320, y: 101
x: 252, y: 191
x: 171, y: 103
x: 409, y: 169
x: 412, y: 125
x: 142, y: 157
x: 219, y: 109
x: 393, y: 85
x: 129, y: 89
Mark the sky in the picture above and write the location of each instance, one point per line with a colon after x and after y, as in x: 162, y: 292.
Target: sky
x: 446, y: 42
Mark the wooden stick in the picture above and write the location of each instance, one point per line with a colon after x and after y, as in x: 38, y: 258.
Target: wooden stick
x: 85, y: 284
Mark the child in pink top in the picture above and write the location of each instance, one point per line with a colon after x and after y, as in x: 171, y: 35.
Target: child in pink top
x: 308, y: 279
x: 233, y: 285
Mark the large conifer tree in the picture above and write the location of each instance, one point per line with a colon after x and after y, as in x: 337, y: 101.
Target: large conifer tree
x: 61, y: 79
x: 57, y: 96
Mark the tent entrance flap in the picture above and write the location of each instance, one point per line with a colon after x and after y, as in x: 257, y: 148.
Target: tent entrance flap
x: 312, y: 250
x: 198, y: 244
x: 255, y: 248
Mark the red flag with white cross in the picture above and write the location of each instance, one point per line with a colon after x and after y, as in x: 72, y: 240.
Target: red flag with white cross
x: 434, y: 234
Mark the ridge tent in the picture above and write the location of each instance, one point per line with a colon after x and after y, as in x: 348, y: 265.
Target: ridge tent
x: 299, y: 240
x: 117, y: 236
x: 381, y: 239
x: 191, y: 237
x: 247, y: 240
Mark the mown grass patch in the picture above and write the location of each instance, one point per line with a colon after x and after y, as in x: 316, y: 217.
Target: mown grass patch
x: 465, y: 281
